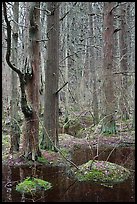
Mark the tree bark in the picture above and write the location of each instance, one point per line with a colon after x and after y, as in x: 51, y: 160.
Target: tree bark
x: 109, y: 100
x: 15, y: 129
x: 66, y: 66
x: 92, y: 67
x: 51, y: 110
x: 31, y: 135
x: 124, y: 64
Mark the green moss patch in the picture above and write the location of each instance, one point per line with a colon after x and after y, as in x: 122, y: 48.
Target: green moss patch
x: 102, y: 172
x: 33, y: 185
x: 43, y: 160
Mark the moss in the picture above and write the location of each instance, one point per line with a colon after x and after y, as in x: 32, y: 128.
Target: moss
x: 102, y: 172
x: 32, y: 185
x: 65, y: 151
x: 109, y: 128
x: 6, y: 140
x: 42, y: 159
x: 93, y: 175
x: 80, y: 132
x: 77, y: 146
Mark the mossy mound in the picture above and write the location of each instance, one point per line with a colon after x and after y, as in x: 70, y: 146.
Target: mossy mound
x: 33, y: 185
x: 76, y: 126
x: 101, y: 172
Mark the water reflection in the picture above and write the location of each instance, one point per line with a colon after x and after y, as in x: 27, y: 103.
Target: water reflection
x: 68, y: 190
x: 122, y: 155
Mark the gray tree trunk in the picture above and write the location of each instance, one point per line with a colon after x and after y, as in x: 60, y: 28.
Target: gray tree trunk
x: 124, y: 64
x: 51, y: 111
x: 92, y: 66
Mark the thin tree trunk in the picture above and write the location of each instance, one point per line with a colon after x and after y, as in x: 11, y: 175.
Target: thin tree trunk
x: 66, y: 65
x: 124, y: 63
x: 92, y: 66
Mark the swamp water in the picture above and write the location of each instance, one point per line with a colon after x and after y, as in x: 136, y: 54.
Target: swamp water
x: 66, y: 189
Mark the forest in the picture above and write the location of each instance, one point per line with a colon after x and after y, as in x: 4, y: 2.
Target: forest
x: 68, y: 101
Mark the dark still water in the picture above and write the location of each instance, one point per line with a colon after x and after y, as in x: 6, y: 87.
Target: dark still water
x: 68, y: 190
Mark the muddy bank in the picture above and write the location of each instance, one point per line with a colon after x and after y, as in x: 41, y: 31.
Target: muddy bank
x: 69, y: 145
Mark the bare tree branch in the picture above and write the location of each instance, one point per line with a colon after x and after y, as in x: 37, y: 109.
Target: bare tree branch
x: 61, y: 19
x: 114, y: 7
x: 27, y: 111
x: 18, y: 24
x: 61, y: 87
x: 8, y: 53
x: 124, y: 73
x: 48, y: 12
x: 66, y: 57
x: 116, y: 30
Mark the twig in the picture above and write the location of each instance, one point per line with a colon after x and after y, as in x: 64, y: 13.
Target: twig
x: 19, y: 24
x: 66, y: 57
x: 118, y: 3
x: 111, y: 152
x: 68, y: 88
x: 42, y: 40
x: 48, y: 12
x: 61, y: 88
x: 124, y: 73
x: 61, y: 19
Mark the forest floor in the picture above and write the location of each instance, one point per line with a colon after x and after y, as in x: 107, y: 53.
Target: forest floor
x: 80, y: 142
x: 70, y: 143
x: 79, y: 132
x: 67, y: 142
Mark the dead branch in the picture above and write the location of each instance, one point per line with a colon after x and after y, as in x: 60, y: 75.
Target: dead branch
x: 61, y: 87
x: 66, y: 57
x: 61, y: 19
x: 124, y: 73
x: 8, y: 53
x: 114, y: 7
x: 116, y: 30
x: 27, y: 111
x: 48, y: 12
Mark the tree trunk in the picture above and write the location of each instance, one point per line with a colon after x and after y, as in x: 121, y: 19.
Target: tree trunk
x: 51, y: 110
x: 31, y: 135
x: 15, y: 129
x: 92, y: 66
x: 124, y: 63
x: 66, y: 66
x: 109, y: 100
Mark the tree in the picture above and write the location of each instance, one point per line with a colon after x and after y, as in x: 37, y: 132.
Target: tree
x: 124, y: 63
x: 66, y: 50
x: 51, y: 109
x: 6, y: 75
x: 29, y: 82
x: 15, y: 129
x: 31, y: 134
x: 92, y: 66
x: 109, y: 100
